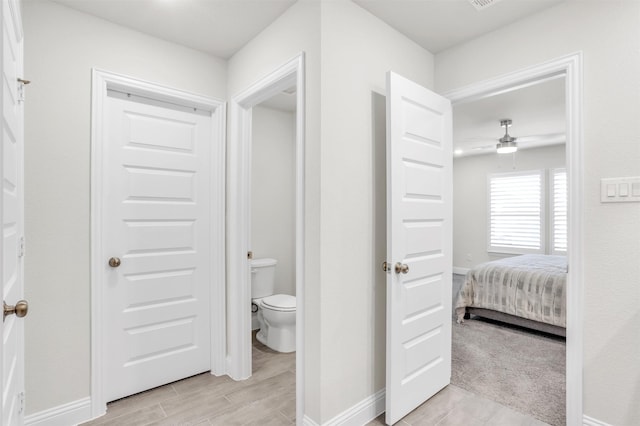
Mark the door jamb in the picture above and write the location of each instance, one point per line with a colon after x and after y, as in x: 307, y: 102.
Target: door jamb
x: 239, y: 219
x: 101, y: 82
x: 571, y: 68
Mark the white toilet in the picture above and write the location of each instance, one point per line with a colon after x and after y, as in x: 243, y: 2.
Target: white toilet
x: 276, y: 313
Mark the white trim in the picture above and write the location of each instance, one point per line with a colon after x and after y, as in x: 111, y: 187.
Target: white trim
x: 460, y: 270
x: 590, y: 421
x: 101, y: 82
x: 70, y: 413
x: 569, y: 67
x: 359, y: 414
x: 239, y: 220
x: 306, y: 421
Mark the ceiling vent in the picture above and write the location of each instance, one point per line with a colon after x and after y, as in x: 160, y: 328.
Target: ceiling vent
x: 483, y: 4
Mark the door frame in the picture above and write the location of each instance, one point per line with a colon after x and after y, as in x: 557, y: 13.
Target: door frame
x: 239, y: 219
x: 569, y: 67
x: 101, y: 82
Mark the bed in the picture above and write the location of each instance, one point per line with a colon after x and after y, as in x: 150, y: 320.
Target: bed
x: 527, y: 290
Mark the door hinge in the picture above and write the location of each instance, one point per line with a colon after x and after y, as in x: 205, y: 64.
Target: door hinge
x: 21, y: 403
x: 385, y: 266
x: 21, y: 248
x: 21, y: 83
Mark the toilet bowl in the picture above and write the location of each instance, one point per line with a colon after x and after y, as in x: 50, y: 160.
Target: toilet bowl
x: 276, y: 313
x: 277, y: 318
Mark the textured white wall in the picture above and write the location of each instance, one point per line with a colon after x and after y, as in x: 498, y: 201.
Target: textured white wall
x: 297, y: 30
x: 357, y: 51
x: 273, y: 182
x: 61, y: 47
x: 470, y: 197
x: 608, y: 34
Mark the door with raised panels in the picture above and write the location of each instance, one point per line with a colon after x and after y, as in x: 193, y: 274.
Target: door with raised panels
x: 419, y: 240
x: 12, y: 214
x: 156, y: 237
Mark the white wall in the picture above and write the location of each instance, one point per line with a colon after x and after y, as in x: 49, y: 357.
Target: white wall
x: 470, y: 196
x: 608, y: 34
x: 61, y: 47
x: 297, y: 30
x: 273, y: 192
x: 357, y: 51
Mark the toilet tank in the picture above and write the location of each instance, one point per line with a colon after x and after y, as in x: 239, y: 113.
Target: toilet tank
x: 262, y: 277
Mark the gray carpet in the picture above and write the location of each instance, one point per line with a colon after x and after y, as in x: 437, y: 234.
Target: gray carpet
x: 520, y: 369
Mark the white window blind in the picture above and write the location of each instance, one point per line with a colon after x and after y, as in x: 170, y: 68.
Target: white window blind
x: 559, y: 210
x: 516, y: 212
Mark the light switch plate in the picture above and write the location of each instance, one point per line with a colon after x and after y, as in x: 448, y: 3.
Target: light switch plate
x: 620, y: 190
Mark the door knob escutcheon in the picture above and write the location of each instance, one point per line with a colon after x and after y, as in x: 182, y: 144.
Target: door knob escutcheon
x: 402, y: 268
x: 20, y: 309
x: 114, y: 262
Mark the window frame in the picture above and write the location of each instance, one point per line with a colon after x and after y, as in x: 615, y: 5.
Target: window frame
x: 543, y: 214
x: 552, y: 210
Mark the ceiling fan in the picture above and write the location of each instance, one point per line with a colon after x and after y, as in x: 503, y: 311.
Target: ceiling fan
x: 508, y: 144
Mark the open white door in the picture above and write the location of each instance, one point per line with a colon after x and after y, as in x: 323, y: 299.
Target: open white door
x: 419, y: 235
x: 12, y: 217
x: 156, y: 230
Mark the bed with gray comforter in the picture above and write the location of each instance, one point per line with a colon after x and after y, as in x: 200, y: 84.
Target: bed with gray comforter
x: 527, y: 290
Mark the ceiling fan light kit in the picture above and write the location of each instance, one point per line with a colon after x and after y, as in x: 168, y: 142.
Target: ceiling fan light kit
x: 507, y: 144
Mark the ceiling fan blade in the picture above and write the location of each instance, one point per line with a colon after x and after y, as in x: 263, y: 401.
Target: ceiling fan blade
x: 549, y: 137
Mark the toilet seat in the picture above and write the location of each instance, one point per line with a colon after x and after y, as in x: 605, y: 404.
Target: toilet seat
x: 279, y: 302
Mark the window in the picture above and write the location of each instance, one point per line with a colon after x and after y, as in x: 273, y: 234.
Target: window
x: 559, y: 211
x: 516, y: 212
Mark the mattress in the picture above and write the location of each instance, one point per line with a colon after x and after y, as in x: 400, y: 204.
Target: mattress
x: 530, y: 286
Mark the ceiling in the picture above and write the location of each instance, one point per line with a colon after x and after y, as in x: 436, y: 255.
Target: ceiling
x: 218, y: 27
x: 222, y: 27
x: 537, y: 112
x: 437, y: 25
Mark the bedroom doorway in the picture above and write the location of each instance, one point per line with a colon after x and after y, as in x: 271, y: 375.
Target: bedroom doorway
x: 546, y: 163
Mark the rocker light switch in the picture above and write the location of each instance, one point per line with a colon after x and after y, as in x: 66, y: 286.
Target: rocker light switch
x: 620, y: 190
x: 623, y: 189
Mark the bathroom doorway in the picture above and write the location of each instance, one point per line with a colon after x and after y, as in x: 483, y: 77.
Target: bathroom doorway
x: 272, y: 232
x: 265, y: 211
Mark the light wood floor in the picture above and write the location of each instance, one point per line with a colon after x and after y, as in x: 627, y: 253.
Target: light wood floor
x: 454, y: 406
x: 268, y: 398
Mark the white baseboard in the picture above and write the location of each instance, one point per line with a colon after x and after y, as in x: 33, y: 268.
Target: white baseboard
x: 460, y: 271
x: 361, y: 413
x: 590, y: 421
x: 306, y: 421
x: 67, y: 414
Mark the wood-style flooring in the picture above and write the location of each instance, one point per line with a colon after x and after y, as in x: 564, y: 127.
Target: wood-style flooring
x: 268, y: 398
x: 454, y: 406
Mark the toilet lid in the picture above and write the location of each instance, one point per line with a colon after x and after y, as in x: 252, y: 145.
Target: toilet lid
x: 280, y: 302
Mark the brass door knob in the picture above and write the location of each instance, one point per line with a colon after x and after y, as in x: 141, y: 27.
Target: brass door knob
x: 114, y: 262
x: 20, y: 309
x: 402, y: 268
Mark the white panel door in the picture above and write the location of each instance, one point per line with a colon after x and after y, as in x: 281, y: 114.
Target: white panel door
x: 12, y: 214
x: 419, y: 239
x: 156, y: 222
